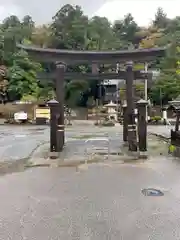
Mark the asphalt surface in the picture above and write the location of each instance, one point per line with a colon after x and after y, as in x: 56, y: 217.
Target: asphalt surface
x: 94, y: 203
x: 98, y: 202
x: 17, y: 142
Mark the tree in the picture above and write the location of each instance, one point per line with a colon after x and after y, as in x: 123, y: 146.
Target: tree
x: 41, y: 36
x: 125, y: 30
x: 23, y: 76
x: 69, y: 28
x: 152, y: 38
x: 74, y: 91
x: 27, y: 26
x: 72, y: 29
x: 168, y: 82
x: 3, y: 84
x: 161, y: 20
x: 10, y: 22
x: 100, y: 35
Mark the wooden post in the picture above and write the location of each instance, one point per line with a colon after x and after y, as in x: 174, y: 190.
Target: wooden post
x: 125, y: 124
x: 60, y: 70
x: 132, y: 140
x: 142, y: 126
x: 53, y: 104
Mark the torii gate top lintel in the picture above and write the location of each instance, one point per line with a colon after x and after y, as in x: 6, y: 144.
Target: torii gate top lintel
x: 75, y: 56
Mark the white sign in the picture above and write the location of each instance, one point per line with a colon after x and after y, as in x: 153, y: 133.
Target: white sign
x: 20, y: 116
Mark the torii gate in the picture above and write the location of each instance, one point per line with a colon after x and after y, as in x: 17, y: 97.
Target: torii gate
x: 62, y: 58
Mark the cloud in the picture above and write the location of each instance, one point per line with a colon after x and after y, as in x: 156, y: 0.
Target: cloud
x: 42, y: 11
x: 9, y: 10
x: 143, y: 11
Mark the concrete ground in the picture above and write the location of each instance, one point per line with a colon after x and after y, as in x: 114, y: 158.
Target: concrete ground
x: 19, y: 145
x: 18, y: 142
x: 97, y: 202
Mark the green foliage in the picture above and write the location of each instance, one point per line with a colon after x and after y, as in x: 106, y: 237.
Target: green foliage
x: 126, y: 30
x: 156, y: 118
x: 72, y: 29
x: 172, y: 148
x: 161, y: 20
x: 74, y: 91
x: 23, y: 75
x: 167, y: 86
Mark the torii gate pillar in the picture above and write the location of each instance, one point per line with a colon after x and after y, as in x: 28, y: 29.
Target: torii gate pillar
x: 132, y: 138
x: 60, y: 71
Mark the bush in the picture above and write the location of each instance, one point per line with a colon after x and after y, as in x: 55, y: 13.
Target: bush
x: 155, y: 119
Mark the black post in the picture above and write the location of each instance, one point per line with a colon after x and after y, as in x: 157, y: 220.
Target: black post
x: 53, y: 104
x: 132, y: 140
x: 125, y: 124
x: 94, y: 70
x: 60, y: 71
x: 177, y: 119
x: 142, y: 126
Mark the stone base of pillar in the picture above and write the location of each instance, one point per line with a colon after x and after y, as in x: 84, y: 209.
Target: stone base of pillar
x: 143, y: 155
x: 125, y: 144
x: 53, y: 155
x: 134, y: 154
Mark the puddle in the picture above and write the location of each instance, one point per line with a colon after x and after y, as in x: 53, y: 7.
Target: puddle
x: 152, y: 192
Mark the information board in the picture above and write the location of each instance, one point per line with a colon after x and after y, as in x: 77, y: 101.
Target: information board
x: 42, y: 113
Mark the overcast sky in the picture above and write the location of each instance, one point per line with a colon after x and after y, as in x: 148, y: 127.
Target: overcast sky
x: 42, y: 11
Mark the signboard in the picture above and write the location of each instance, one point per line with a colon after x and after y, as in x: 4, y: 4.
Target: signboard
x: 20, y: 116
x: 42, y: 113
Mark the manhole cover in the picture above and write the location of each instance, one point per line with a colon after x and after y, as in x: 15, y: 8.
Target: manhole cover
x: 152, y: 192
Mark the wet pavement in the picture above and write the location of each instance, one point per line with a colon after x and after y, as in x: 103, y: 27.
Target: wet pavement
x: 98, y: 202
x: 17, y: 142
x: 164, y: 131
